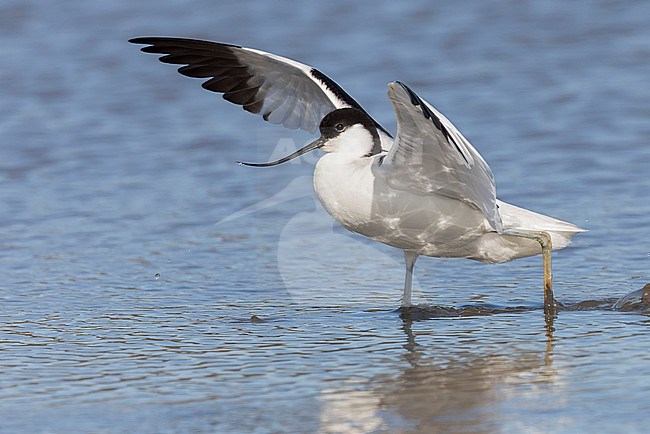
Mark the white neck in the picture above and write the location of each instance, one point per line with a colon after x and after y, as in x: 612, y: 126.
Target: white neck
x: 355, y: 141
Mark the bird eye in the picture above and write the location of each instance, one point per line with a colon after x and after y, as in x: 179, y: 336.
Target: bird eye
x: 339, y: 127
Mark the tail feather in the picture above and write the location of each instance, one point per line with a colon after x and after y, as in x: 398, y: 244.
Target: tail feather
x: 514, y: 217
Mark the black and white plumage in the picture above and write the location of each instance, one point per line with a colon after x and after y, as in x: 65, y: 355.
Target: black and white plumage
x: 281, y: 90
x: 427, y: 192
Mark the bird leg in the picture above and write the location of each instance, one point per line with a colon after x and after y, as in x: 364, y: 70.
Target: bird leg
x: 544, y: 239
x: 409, y: 258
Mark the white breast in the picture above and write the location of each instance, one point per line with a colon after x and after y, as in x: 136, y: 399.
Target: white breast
x: 345, y: 188
x: 362, y: 203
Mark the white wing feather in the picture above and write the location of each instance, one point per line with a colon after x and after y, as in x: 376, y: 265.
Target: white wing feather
x: 279, y: 89
x: 430, y: 156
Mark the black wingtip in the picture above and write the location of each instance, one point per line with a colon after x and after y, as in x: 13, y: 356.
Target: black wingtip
x: 415, y: 100
x: 142, y: 40
x: 148, y: 42
x: 157, y: 40
x: 428, y: 114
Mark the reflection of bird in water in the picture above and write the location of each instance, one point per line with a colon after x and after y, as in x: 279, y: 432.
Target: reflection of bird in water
x: 441, y: 392
x: 427, y: 191
x: 464, y: 391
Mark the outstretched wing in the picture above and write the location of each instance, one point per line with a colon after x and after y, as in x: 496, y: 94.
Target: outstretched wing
x: 281, y: 90
x: 430, y: 156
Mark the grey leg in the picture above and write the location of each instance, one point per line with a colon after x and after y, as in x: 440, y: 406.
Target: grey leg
x: 409, y: 258
x: 544, y: 239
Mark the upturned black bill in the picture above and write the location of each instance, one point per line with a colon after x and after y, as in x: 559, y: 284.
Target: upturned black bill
x: 310, y: 147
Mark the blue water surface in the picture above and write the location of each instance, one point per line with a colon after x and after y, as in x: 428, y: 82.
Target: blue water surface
x: 149, y: 284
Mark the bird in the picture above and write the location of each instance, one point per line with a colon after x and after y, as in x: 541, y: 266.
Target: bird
x: 426, y: 191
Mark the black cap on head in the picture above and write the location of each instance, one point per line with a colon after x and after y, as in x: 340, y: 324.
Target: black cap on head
x: 333, y: 124
x: 337, y: 121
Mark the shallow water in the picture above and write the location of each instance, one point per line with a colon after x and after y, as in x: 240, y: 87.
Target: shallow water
x: 149, y: 284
